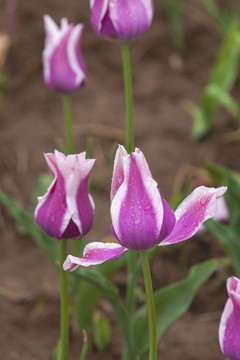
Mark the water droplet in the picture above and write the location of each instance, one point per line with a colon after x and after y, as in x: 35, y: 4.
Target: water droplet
x: 139, y: 207
x: 182, y: 220
x: 146, y: 208
x: 203, y: 201
x: 137, y: 221
x: 155, y: 232
x: 133, y: 215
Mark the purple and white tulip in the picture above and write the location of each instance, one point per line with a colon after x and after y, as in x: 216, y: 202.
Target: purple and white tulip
x: 121, y: 19
x: 141, y: 218
x: 229, y: 329
x: 63, y: 64
x: 66, y: 210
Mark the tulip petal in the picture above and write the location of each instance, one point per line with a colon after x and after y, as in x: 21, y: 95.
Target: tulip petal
x: 64, y: 68
x: 118, y: 171
x: 75, y: 169
x: 66, y: 210
x: 199, y: 206
x: 100, y: 19
x: 130, y: 18
x: 95, y: 253
x: 75, y: 57
x: 229, y: 329
x: 51, y: 208
x: 136, y: 209
x: 169, y: 220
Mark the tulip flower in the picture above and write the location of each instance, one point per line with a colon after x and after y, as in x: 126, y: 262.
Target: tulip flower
x: 229, y: 329
x: 123, y: 19
x: 63, y: 64
x: 66, y: 210
x: 141, y: 218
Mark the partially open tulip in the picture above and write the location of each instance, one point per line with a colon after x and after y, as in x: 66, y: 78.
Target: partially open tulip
x: 63, y: 64
x: 229, y: 329
x: 66, y: 210
x: 141, y: 218
x: 123, y: 19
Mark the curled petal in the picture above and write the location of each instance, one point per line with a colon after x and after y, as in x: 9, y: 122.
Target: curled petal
x: 95, y: 253
x: 118, y: 171
x: 199, y: 206
x: 136, y: 209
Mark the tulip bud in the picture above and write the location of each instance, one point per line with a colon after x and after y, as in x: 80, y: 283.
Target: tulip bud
x: 123, y: 19
x: 229, y: 329
x: 66, y: 210
x: 63, y: 64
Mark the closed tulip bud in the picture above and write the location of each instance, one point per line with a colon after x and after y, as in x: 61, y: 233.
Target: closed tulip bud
x: 66, y: 210
x: 141, y: 218
x: 121, y: 19
x: 229, y: 329
x: 63, y: 64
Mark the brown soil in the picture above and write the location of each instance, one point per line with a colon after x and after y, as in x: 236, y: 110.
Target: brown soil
x: 31, y: 122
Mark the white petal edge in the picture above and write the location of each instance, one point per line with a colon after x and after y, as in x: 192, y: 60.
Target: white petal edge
x: 71, y: 53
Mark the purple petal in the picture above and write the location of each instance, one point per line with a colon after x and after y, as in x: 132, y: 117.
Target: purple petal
x: 169, y: 220
x: 131, y: 18
x: 100, y: 19
x: 66, y: 210
x: 95, y: 253
x: 64, y: 69
x: 229, y: 329
x: 136, y: 209
x: 199, y: 206
x: 118, y: 172
x: 51, y: 208
x: 80, y: 207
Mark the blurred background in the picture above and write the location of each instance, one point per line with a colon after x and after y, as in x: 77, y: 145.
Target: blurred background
x: 171, y: 67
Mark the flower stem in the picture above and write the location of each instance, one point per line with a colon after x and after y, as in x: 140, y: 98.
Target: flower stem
x: 128, y: 97
x: 150, y: 306
x: 64, y: 302
x: 68, y: 123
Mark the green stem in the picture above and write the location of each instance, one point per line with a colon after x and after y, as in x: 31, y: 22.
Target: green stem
x: 68, y: 124
x: 64, y: 302
x: 128, y: 97
x: 150, y: 306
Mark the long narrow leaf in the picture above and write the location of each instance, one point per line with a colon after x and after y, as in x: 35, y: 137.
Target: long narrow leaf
x: 112, y: 294
x: 223, y: 75
x: 171, y: 302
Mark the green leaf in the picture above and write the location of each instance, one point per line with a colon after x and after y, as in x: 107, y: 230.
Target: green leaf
x: 112, y: 294
x: 229, y: 239
x: 57, y: 351
x: 171, y: 302
x: 101, y: 331
x: 221, y: 17
x: 174, y: 10
x: 223, y: 75
x: 27, y: 224
x: 87, y: 294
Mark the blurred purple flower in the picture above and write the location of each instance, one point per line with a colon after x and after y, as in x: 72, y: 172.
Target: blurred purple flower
x: 141, y: 218
x: 66, y: 210
x: 63, y: 64
x: 121, y: 19
x: 229, y: 329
